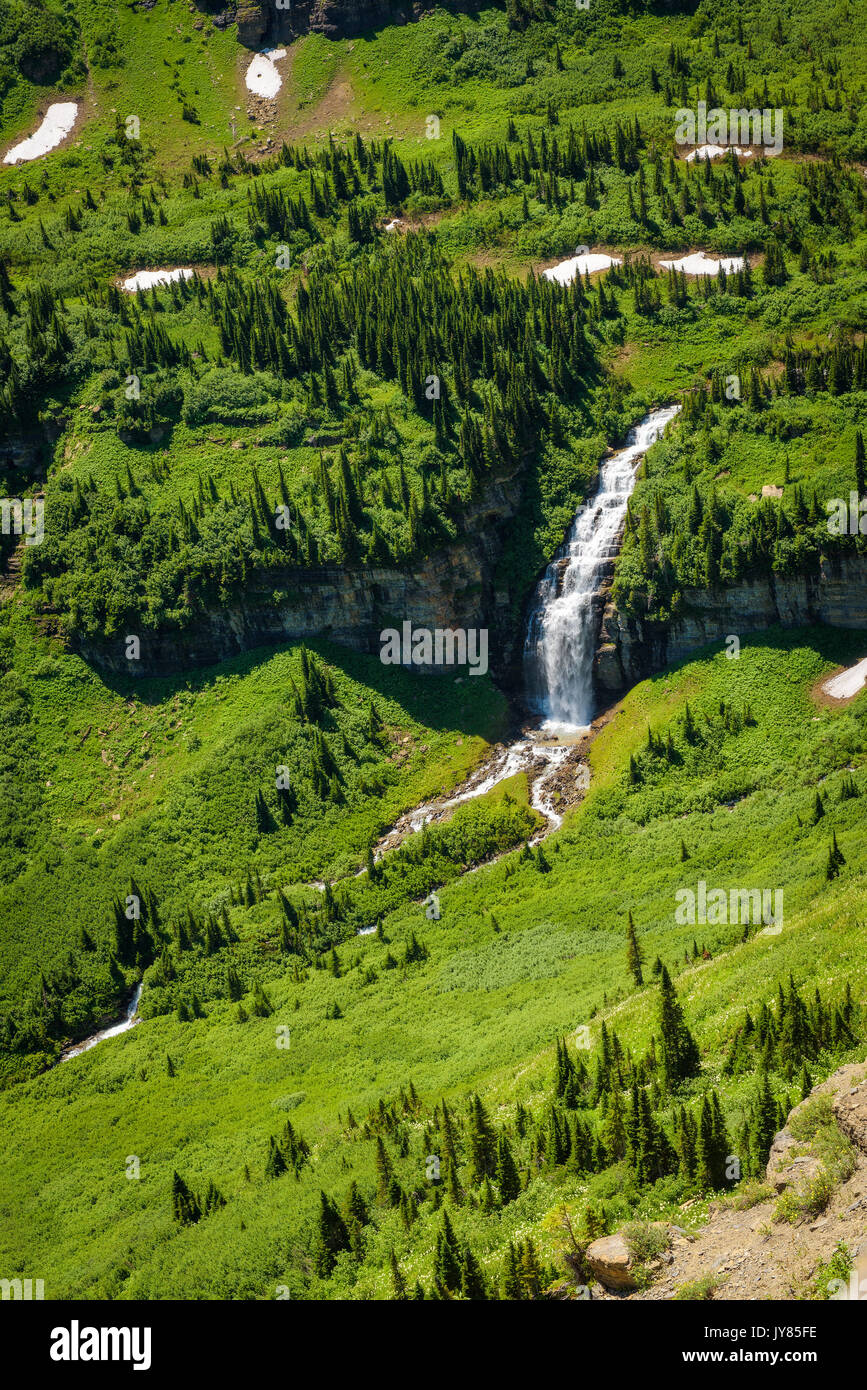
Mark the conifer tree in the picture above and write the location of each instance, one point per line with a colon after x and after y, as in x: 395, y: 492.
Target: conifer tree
x: 388, y: 1189
x: 530, y: 1269
x: 398, y: 1283
x: 764, y: 1122
x: 508, y: 1178
x: 332, y: 1236
x: 472, y: 1280
x: 860, y: 465
x: 634, y: 956
x: 185, y: 1205
x: 613, y: 1133
x: 482, y: 1142
x: 511, y: 1289
x: 447, y: 1262
x: 680, y: 1056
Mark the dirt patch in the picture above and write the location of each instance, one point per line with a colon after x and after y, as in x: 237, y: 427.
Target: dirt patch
x: 336, y: 106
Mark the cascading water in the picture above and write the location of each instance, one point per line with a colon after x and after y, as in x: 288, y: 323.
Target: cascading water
x: 561, y: 632
x: 129, y: 1020
x: 558, y: 657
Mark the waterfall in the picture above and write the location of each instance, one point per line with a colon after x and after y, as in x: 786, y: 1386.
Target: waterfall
x: 128, y: 1020
x: 563, y: 624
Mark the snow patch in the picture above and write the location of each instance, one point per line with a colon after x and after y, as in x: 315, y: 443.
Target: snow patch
x: 565, y: 272
x: 146, y: 279
x: 847, y: 683
x: 716, y: 152
x: 262, y: 77
x: 58, y: 122
x: 699, y: 264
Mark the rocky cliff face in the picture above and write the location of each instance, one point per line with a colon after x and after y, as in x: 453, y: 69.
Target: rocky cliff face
x: 452, y: 588
x: 630, y: 650
x: 279, y: 21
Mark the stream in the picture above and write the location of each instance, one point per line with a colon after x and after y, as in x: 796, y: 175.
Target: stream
x: 129, y: 1020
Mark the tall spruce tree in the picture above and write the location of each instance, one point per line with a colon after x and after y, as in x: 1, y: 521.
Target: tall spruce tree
x: 680, y: 1056
x: 634, y: 957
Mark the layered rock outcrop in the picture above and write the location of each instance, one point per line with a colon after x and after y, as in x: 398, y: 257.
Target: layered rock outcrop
x: 453, y: 588
x: 279, y: 21
x: 630, y: 649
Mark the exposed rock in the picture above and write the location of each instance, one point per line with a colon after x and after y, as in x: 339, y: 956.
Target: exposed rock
x: 759, y: 1257
x: 788, y: 1163
x: 452, y: 588
x: 257, y: 20
x: 791, y: 1162
x: 611, y: 1262
x: 850, y: 1112
x: 253, y: 21
x: 835, y: 593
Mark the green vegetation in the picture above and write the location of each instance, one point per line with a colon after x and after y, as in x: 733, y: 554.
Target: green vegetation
x: 839, y: 1267
x: 341, y: 1088
x: 466, y: 1006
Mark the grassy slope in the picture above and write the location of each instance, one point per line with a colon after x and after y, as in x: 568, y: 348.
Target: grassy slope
x: 154, y: 779
x: 479, y: 1014
x: 482, y: 1012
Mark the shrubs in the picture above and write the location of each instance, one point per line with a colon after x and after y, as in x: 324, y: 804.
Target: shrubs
x: 799, y: 1204
x: 750, y: 1193
x: 646, y: 1240
x: 698, y: 1289
x: 814, y: 1123
x: 825, y: 1283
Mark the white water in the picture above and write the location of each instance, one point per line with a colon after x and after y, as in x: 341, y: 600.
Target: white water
x: 58, y: 122
x: 525, y: 755
x: 128, y: 1021
x: 561, y: 632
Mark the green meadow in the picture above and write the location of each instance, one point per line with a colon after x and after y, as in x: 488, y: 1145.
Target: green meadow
x: 333, y: 1091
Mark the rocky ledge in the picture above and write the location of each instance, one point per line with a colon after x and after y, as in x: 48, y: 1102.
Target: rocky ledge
x: 747, y: 1251
x: 452, y: 588
x: 630, y: 649
x: 262, y: 21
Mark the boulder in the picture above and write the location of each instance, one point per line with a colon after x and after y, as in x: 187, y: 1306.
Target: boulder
x: 788, y: 1164
x: 611, y: 1262
x: 850, y: 1112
